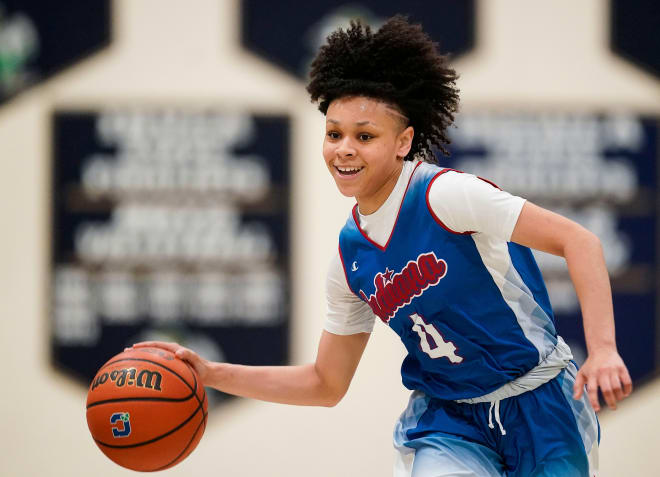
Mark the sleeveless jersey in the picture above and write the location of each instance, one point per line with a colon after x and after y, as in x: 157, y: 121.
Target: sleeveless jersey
x: 471, y: 310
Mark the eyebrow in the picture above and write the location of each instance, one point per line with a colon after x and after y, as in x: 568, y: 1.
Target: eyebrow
x: 359, y: 123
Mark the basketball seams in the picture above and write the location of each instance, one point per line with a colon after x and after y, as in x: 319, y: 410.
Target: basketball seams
x: 184, y: 453
x: 194, y: 375
x: 129, y: 399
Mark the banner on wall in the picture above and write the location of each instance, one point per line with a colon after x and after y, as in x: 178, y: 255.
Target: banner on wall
x: 599, y: 170
x: 633, y: 30
x: 290, y: 36
x: 38, y: 39
x: 170, y: 225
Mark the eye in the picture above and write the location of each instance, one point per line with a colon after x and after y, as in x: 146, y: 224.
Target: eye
x: 333, y: 134
x: 365, y: 137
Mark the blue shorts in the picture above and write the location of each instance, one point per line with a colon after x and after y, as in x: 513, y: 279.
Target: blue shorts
x: 543, y: 432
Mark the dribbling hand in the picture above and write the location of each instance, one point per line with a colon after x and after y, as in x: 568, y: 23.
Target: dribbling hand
x: 201, y: 365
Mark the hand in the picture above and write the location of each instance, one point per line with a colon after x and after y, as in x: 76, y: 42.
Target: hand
x: 201, y: 365
x: 604, y: 369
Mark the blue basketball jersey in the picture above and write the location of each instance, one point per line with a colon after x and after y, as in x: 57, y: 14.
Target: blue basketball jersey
x: 472, y: 311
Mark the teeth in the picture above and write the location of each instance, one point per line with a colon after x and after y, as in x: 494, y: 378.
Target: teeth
x: 349, y: 169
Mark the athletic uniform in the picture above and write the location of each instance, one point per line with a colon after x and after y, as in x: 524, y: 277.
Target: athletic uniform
x: 492, y: 382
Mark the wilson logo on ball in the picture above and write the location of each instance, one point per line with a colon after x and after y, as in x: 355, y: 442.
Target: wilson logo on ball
x: 146, y: 378
x: 122, y: 424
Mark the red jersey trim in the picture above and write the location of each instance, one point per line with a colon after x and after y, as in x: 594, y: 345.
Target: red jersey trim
x: 488, y: 182
x: 357, y: 221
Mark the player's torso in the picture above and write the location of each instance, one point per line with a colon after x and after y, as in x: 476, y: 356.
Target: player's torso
x: 432, y: 288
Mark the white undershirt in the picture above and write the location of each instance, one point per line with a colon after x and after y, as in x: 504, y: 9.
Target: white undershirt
x: 463, y: 202
x: 378, y: 225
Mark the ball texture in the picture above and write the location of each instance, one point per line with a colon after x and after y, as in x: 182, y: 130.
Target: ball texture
x: 146, y: 409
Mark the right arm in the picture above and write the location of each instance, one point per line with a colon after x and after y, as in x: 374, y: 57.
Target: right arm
x: 322, y: 383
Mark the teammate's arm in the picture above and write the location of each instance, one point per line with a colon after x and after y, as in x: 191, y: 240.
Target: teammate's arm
x: 549, y: 232
x: 322, y: 383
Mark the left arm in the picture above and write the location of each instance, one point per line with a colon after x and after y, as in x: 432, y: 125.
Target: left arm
x: 546, y: 231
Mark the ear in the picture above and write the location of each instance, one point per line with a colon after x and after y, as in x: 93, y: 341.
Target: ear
x: 404, y: 141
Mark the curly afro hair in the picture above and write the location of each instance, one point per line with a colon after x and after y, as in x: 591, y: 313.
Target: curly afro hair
x: 399, y: 65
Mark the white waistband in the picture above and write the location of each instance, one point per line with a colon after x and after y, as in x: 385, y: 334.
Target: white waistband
x: 546, y: 370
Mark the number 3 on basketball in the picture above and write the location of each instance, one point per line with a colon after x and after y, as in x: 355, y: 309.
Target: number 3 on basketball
x: 432, y: 342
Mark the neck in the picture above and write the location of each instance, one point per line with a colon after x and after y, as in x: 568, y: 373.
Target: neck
x: 371, y: 204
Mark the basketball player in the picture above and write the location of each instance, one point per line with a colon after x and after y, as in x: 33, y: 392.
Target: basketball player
x: 443, y: 258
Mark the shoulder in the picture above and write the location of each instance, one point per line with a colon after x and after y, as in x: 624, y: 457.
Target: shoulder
x: 447, y: 180
x: 444, y: 181
x: 453, y: 186
x: 464, y: 203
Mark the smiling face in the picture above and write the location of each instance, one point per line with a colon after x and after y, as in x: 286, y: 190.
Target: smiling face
x: 365, y: 143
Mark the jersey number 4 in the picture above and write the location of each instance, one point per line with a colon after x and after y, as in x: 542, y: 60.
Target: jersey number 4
x: 432, y: 342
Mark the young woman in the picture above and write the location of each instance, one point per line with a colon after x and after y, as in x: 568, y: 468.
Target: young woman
x: 443, y: 258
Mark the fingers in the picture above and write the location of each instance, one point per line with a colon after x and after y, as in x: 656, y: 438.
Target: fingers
x: 582, y: 379
x: 578, y: 387
x: 614, y: 383
x: 626, y: 382
x: 617, y: 388
x: 173, y: 347
x: 592, y: 392
x: 606, y: 388
x: 591, y: 384
x: 186, y: 354
x: 621, y: 386
x: 178, y: 350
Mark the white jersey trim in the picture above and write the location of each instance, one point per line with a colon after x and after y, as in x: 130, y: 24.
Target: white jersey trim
x: 530, y: 316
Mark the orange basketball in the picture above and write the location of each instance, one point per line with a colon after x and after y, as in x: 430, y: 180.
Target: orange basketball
x: 146, y: 409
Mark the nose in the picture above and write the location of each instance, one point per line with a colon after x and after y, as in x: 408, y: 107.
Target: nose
x: 345, y: 149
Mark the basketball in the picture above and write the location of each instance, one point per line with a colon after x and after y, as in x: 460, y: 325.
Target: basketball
x: 146, y: 409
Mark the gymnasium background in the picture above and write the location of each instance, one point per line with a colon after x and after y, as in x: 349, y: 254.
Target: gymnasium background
x: 161, y: 176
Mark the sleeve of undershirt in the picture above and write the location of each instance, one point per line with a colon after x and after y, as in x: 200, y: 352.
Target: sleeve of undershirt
x: 466, y: 203
x: 346, y: 313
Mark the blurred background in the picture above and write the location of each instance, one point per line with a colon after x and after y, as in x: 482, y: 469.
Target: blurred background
x: 161, y: 177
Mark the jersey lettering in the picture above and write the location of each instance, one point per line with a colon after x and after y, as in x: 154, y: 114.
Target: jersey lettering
x: 394, y: 290
x: 432, y: 342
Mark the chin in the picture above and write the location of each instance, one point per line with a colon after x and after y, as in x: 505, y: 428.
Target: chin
x: 346, y: 191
